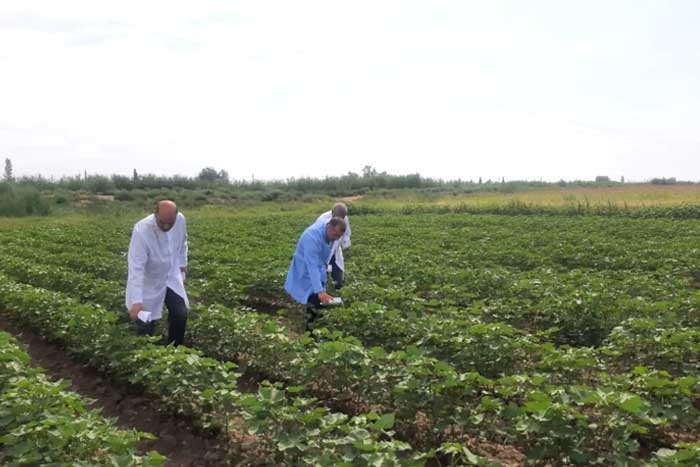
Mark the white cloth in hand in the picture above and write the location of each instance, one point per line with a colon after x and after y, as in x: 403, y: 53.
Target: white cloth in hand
x: 144, y: 316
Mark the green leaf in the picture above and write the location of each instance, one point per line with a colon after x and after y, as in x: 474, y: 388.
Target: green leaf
x: 537, y: 406
x: 631, y: 403
x: 664, y: 453
x: 385, y: 422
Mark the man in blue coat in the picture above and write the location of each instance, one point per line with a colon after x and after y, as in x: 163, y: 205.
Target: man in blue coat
x: 306, y: 279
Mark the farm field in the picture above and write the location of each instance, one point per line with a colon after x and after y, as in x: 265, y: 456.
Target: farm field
x: 465, y: 339
x: 627, y: 195
x: 630, y: 195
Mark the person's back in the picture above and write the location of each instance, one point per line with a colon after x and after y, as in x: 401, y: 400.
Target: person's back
x: 306, y: 273
x: 306, y: 278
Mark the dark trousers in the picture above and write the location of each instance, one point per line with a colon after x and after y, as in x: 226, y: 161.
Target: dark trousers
x: 177, y: 319
x: 313, y: 310
x: 337, y: 274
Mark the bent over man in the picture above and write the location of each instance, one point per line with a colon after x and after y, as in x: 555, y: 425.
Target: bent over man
x: 306, y: 278
x: 157, y: 266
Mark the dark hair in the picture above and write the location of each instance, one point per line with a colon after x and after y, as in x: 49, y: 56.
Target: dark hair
x: 338, y: 223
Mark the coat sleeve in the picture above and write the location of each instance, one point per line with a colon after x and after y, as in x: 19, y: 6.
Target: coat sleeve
x: 182, y: 252
x: 314, y: 262
x: 137, y: 258
x: 345, y: 239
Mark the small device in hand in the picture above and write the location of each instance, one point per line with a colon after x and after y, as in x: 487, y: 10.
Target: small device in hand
x: 337, y: 301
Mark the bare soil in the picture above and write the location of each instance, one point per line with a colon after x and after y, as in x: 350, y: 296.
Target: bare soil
x: 350, y: 199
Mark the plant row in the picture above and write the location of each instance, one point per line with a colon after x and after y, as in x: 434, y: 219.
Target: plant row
x: 289, y: 430
x: 43, y: 423
x: 341, y: 371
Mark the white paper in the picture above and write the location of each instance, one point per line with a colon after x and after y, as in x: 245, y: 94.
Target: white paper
x: 144, y: 316
x: 336, y: 301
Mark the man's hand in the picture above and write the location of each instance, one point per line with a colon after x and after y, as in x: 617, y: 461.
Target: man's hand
x: 324, y: 297
x: 134, y: 311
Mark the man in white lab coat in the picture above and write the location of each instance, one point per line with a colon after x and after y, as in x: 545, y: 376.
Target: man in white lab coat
x: 157, y: 266
x: 336, y: 260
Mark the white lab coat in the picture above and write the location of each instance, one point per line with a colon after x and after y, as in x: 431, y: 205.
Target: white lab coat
x: 155, y: 259
x: 342, y: 242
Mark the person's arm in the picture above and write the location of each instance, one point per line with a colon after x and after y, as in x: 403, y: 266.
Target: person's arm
x: 312, y: 262
x: 183, y: 246
x: 137, y: 258
x: 345, y: 239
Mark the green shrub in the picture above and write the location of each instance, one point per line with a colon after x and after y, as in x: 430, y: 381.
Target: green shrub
x: 21, y: 201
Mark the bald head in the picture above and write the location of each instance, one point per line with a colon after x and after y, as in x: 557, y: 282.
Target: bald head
x: 340, y: 210
x: 166, y: 214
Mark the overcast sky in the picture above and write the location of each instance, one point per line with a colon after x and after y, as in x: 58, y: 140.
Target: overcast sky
x: 538, y: 90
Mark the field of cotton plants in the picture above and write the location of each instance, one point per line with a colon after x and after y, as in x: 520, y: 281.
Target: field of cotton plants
x: 466, y: 338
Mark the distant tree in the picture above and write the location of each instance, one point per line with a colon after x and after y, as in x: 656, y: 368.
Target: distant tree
x: 369, y: 171
x: 663, y: 181
x: 8, y: 170
x: 210, y: 174
x: 122, y: 182
x: 602, y: 178
x: 622, y: 179
x: 99, y: 184
x: 503, y: 179
x: 479, y: 180
x: 136, y: 175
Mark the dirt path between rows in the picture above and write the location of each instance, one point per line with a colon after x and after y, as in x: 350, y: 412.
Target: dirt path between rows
x: 350, y: 199
x: 176, y: 440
